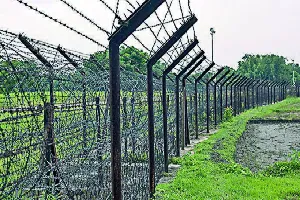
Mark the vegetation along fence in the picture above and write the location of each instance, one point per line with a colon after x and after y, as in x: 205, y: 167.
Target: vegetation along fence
x: 102, y: 126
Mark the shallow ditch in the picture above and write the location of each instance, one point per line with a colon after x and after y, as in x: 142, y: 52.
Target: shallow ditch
x: 267, y: 141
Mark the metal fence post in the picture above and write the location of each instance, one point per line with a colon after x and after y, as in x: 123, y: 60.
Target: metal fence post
x: 164, y: 93
x: 50, y: 149
x: 200, y: 77
x: 235, y: 99
x: 185, y: 112
x: 253, y: 93
x: 51, y: 156
x: 239, y: 103
x: 195, y: 94
x: 226, y: 89
x: 178, y: 76
x: 220, y: 96
x: 151, y: 62
x: 232, y: 86
x: 215, y: 96
x: 226, y: 93
x: 248, y: 95
x: 98, y: 119
x: 115, y: 40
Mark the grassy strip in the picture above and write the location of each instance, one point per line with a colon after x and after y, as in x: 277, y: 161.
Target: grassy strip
x: 211, y: 172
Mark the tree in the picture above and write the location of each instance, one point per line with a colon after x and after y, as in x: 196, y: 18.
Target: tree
x: 15, y: 74
x: 269, y: 67
x: 131, y: 59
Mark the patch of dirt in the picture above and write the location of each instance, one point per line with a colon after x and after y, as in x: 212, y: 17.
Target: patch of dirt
x: 263, y: 144
x: 215, y: 156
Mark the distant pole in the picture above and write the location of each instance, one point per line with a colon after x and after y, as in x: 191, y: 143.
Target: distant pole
x: 294, y: 81
x: 212, y: 32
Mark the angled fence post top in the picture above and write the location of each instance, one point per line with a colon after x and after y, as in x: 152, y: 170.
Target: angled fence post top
x: 259, y: 83
x: 256, y: 82
x: 251, y: 82
x: 134, y: 21
x: 264, y: 82
x: 205, y: 72
x: 233, y: 83
x: 222, y: 77
x: 191, y: 63
x: 116, y: 39
x: 214, y: 76
x: 27, y: 44
x: 230, y: 77
x: 233, y: 79
x: 247, y: 81
x: 63, y: 53
x: 172, y: 40
x: 194, y: 68
x: 242, y: 81
x: 180, y: 57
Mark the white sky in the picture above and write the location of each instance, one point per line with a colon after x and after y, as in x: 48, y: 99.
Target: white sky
x: 242, y: 26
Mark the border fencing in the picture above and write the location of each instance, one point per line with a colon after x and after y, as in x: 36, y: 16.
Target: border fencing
x: 78, y: 126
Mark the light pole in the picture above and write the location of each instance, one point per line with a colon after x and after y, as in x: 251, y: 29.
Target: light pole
x: 212, y: 32
x: 294, y: 82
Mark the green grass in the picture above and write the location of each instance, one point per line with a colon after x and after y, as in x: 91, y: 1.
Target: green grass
x: 201, y: 177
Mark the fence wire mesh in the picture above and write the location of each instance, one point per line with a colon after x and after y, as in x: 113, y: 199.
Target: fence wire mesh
x: 55, y: 130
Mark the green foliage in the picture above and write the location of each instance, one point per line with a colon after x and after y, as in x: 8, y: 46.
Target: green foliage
x: 270, y: 67
x: 228, y: 114
x: 131, y: 59
x: 234, y: 168
x: 13, y: 72
x: 281, y: 169
x: 175, y: 160
x: 137, y: 158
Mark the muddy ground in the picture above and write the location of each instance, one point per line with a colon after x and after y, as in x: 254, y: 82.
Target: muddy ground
x: 266, y: 142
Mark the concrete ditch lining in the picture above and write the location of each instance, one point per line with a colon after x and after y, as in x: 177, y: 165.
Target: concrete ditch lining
x: 265, y: 142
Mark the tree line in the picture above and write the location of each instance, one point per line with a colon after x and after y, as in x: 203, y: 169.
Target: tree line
x: 268, y: 67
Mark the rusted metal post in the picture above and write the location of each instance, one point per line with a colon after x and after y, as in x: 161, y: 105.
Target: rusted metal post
x: 164, y: 93
x: 115, y: 40
x: 221, y: 95
x: 51, y: 156
x: 151, y: 62
x: 231, y: 77
x: 195, y: 95
x: 178, y: 76
x: 50, y: 149
x: 215, y: 96
x: 207, y: 90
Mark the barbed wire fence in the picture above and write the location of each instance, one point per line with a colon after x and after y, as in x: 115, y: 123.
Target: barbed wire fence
x: 80, y: 126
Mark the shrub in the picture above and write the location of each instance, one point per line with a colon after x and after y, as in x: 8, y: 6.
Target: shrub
x: 228, y: 114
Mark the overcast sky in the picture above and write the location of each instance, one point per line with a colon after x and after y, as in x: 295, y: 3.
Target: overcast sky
x: 242, y: 26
